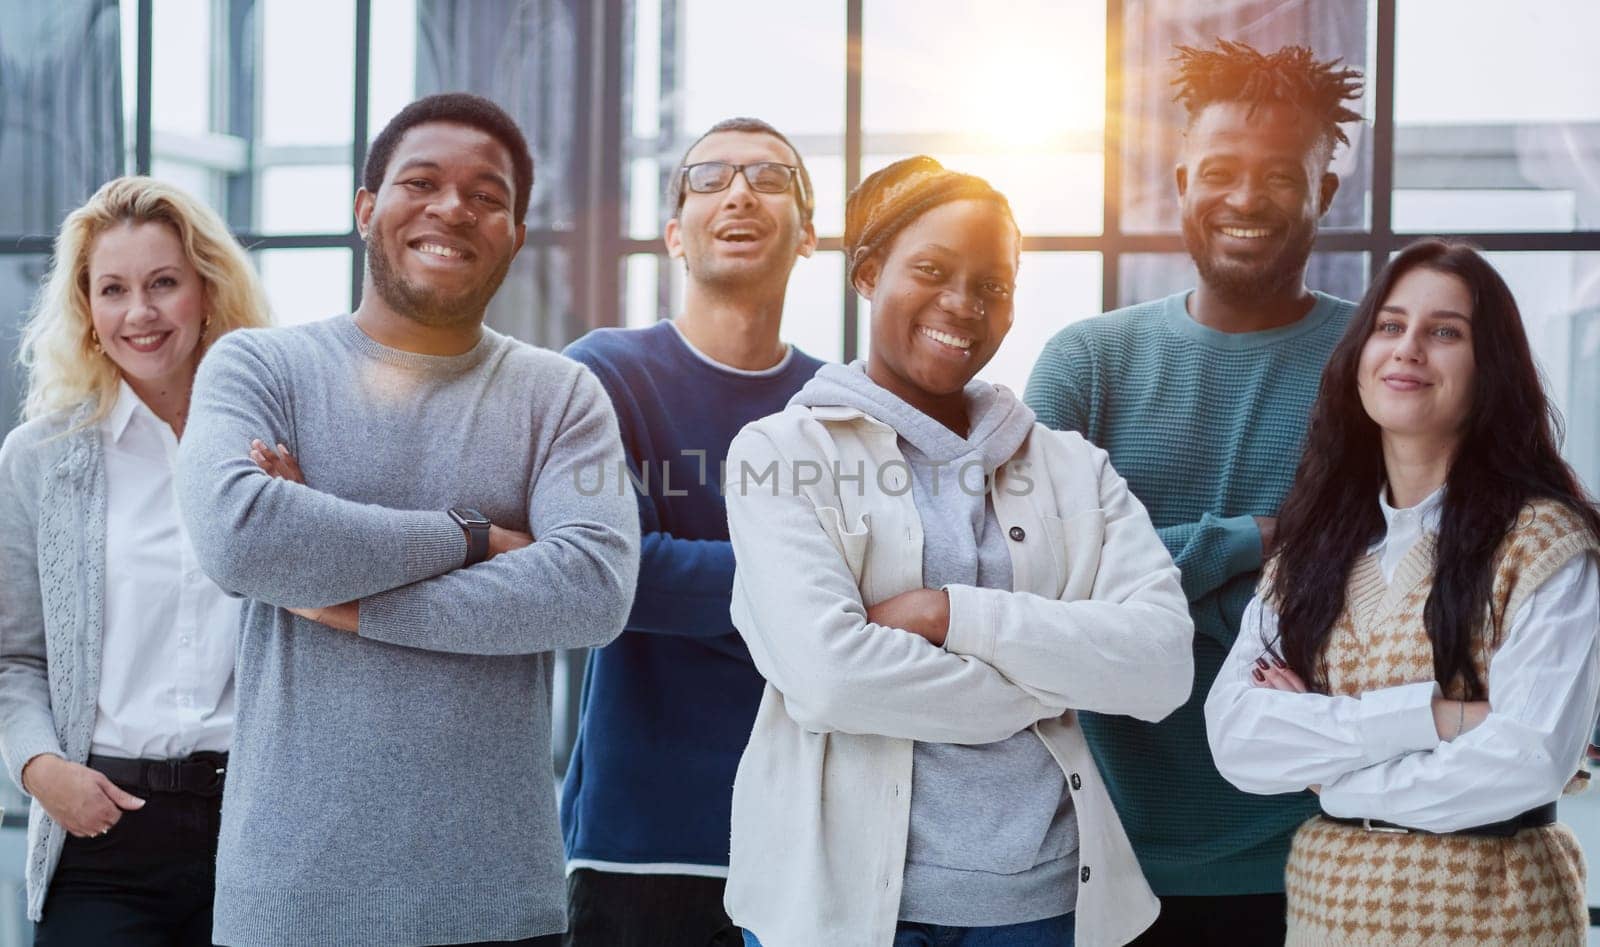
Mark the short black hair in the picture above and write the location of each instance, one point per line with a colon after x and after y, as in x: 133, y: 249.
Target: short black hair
x: 1237, y: 72
x: 458, y: 108
x: 806, y: 198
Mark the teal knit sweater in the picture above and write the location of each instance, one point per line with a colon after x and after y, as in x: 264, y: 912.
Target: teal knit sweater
x: 1207, y: 428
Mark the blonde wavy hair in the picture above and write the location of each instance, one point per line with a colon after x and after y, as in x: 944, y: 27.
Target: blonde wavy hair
x: 65, y: 368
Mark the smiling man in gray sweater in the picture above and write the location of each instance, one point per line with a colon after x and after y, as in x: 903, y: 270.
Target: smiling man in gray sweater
x: 391, y: 781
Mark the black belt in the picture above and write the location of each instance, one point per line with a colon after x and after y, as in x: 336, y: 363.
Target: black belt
x: 199, y: 774
x: 1532, y: 819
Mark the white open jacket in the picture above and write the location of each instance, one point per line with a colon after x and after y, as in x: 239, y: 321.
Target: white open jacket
x: 821, y: 802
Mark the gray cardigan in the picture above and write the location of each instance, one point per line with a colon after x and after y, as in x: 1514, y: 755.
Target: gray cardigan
x: 52, y: 599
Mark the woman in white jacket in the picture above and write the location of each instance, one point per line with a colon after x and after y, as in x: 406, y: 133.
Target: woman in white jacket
x: 931, y: 584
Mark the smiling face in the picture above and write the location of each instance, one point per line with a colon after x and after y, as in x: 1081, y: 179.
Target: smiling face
x: 1251, y: 190
x: 740, y: 237
x: 148, y: 304
x: 941, y: 299
x: 440, y: 231
x: 1416, y: 370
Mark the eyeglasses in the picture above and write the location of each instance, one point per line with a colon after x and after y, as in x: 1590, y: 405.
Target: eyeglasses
x: 768, y: 177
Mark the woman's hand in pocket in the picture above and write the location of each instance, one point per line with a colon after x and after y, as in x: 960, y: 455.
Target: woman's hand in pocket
x: 82, y: 800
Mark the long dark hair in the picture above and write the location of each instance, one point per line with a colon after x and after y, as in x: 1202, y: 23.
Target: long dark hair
x: 1506, y: 458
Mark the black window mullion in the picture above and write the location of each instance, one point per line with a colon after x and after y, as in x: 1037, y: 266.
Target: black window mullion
x: 1111, y: 146
x: 1381, y: 87
x: 852, y: 155
x: 142, y: 84
x: 358, y: 141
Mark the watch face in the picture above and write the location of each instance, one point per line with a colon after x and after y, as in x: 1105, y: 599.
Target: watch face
x: 468, y: 517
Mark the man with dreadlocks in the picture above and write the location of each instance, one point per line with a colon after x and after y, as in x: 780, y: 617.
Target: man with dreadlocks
x: 1202, y: 400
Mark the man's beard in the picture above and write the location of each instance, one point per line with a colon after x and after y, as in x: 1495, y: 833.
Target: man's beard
x: 426, y: 306
x: 1242, y: 284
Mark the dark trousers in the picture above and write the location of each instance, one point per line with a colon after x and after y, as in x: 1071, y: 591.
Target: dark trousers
x: 611, y: 909
x: 146, y: 883
x: 1241, y: 920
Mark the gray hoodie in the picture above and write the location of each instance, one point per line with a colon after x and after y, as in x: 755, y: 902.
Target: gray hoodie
x: 993, y: 838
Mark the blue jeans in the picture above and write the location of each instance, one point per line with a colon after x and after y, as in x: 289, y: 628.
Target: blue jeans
x: 1050, y: 932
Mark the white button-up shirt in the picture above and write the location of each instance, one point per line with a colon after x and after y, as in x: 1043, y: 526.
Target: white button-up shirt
x: 1379, y: 755
x: 166, y: 658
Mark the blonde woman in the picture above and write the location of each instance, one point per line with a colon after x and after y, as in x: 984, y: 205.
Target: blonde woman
x: 116, y: 652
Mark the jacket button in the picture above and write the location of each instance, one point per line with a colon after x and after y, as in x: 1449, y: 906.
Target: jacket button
x: 1017, y: 534
x: 1084, y: 874
x: 1076, y: 782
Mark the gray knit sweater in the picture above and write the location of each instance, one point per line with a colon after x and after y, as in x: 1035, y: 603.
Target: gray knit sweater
x: 395, y: 787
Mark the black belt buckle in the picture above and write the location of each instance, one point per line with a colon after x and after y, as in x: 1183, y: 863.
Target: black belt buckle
x: 203, y: 773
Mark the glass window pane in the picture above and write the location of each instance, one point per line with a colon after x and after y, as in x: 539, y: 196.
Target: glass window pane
x: 1559, y: 295
x: 813, y: 311
x: 1053, y: 291
x: 308, y: 73
x: 305, y: 285
x: 1496, y: 119
x: 1146, y: 276
x: 189, y: 144
x: 1153, y: 123
x: 642, y: 276
x: 180, y: 67
x: 245, y: 97
x: 1029, y: 119
x: 793, y: 78
x: 306, y: 199
x: 392, y: 67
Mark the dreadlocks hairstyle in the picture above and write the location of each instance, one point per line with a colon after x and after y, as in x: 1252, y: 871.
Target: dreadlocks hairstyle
x: 889, y: 199
x: 1238, y: 72
x: 1507, y: 456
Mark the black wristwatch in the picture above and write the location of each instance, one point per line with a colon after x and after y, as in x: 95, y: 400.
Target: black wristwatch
x: 477, y: 527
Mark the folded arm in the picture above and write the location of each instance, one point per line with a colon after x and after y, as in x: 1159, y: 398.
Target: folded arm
x: 1544, y: 683
x: 571, y: 588
x: 1125, y: 649
x: 251, y: 531
x: 799, y: 610
x: 1274, y: 741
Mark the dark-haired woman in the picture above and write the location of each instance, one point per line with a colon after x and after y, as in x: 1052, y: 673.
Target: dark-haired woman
x: 928, y: 585
x: 1425, y: 647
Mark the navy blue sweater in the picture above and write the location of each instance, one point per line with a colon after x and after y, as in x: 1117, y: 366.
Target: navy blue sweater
x: 667, y: 707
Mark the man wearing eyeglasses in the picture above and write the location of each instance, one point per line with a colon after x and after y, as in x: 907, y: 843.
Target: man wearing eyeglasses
x: 668, y: 706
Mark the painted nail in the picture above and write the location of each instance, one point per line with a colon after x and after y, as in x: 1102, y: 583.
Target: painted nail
x: 1280, y: 664
x: 1261, y: 663
x: 1258, y: 675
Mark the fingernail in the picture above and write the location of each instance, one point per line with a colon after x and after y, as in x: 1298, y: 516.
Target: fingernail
x: 1258, y: 675
x: 1280, y: 664
x: 1261, y: 663
x: 282, y: 449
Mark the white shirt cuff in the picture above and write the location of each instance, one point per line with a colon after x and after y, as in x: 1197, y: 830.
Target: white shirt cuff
x: 1395, y: 721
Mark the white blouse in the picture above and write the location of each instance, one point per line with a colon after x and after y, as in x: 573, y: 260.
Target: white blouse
x: 166, y: 658
x: 1378, y: 756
